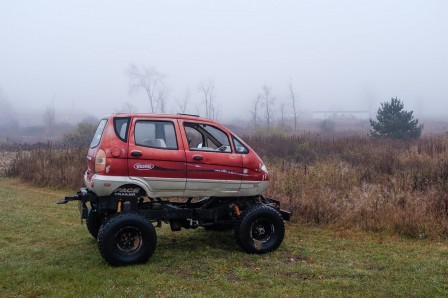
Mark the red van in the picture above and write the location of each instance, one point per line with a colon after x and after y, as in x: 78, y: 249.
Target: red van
x: 136, y: 162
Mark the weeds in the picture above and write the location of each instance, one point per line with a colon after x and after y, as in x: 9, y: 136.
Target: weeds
x: 348, y: 181
x: 358, y: 182
x: 46, y: 252
x: 47, y: 165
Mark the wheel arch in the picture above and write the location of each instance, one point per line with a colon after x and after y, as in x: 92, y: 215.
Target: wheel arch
x: 130, y: 190
x: 137, y: 182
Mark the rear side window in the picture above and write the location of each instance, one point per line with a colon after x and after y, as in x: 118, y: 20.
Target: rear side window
x: 155, y: 134
x: 121, y: 128
x: 99, y: 131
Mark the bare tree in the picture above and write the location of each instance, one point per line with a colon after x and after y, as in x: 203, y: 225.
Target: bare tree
x: 268, y: 103
x: 255, y: 107
x: 207, y: 88
x: 183, y: 103
x: 151, y: 81
x: 161, y: 98
x: 50, y: 118
x: 282, y: 114
x: 293, y: 103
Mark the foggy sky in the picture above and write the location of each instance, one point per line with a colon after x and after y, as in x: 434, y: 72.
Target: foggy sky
x: 340, y: 55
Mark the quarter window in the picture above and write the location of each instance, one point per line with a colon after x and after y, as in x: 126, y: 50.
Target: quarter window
x: 121, y: 128
x: 155, y: 134
x: 239, y: 147
x: 98, y: 133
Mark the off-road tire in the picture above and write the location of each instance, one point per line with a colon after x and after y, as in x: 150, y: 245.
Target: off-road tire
x: 127, y: 238
x: 93, y: 222
x: 260, y: 229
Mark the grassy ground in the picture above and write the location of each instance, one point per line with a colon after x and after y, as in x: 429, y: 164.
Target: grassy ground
x: 44, y: 251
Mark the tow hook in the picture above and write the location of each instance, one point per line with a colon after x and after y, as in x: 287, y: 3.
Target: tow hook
x: 82, y: 197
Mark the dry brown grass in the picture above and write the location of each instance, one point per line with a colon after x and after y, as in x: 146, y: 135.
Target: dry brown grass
x: 46, y: 165
x: 363, y: 183
x: 6, y: 157
x: 353, y: 182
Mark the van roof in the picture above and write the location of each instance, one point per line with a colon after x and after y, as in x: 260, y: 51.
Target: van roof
x: 166, y: 116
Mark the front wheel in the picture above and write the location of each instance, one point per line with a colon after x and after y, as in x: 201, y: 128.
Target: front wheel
x: 127, y: 238
x: 260, y: 229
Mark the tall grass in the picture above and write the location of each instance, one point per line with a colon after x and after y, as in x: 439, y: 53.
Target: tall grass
x: 360, y: 182
x: 349, y: 181
x: 49, y: 165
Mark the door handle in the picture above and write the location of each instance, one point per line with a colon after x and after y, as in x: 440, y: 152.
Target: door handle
x: 197, y: 157
x: 136, y: 153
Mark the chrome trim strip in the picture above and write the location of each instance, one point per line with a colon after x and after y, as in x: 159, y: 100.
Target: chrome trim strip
x: 177, y: 187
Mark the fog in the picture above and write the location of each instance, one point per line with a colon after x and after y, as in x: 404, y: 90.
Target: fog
x: 338, y: 55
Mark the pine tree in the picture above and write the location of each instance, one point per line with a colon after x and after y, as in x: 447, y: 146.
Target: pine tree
x: 394, y: 122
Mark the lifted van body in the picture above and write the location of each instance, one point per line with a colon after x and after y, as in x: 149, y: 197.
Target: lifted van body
x: 137, y: 161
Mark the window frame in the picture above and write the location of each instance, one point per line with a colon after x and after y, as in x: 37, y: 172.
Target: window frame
x: 160, y: 121
x: 127, y: 128
x: 207, y: 135
x: 96, y: 131
x: 234, y: 138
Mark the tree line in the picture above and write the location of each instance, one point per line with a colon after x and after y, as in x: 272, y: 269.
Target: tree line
x: 152, y: 83
x: 391, y: 121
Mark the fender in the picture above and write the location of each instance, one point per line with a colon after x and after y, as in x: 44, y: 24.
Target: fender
x: 142, y: 183
x: 104, y: 186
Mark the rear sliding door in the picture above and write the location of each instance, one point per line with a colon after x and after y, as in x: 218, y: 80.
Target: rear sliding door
x: 157, y: 157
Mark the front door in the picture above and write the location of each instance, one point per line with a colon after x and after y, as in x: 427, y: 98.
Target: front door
x: 213, y: 168
x: 156, y: 156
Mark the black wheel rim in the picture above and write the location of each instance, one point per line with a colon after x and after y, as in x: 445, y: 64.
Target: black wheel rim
x: 129, y: 240
x: 261, y: 230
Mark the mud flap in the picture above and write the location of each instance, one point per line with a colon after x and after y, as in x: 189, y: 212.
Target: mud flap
x: 286, y: 215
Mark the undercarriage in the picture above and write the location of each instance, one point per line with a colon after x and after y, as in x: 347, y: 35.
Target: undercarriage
x: 124, y: 226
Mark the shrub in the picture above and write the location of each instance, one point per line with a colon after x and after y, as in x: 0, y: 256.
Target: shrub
x: 394, y: 122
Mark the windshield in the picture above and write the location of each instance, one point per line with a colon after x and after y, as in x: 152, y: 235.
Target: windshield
x: 99, y: 131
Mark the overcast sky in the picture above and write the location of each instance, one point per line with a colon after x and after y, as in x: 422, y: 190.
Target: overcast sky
x: 340, y: 55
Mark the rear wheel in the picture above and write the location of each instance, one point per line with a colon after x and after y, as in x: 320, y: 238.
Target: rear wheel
x: 127, y: 238
x: 260, y: 229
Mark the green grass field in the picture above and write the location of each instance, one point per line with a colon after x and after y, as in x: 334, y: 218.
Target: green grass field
x: 45, y: 251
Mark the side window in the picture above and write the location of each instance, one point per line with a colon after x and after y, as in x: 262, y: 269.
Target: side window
x: 194, y: 137
x: 202, y: 137
x: 239, y: 148
x: 121, y: 128
x: 98, y: 133
x: 155, y: 134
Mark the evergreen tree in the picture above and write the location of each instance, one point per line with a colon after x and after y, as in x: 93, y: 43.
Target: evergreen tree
x: 394, y: 122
